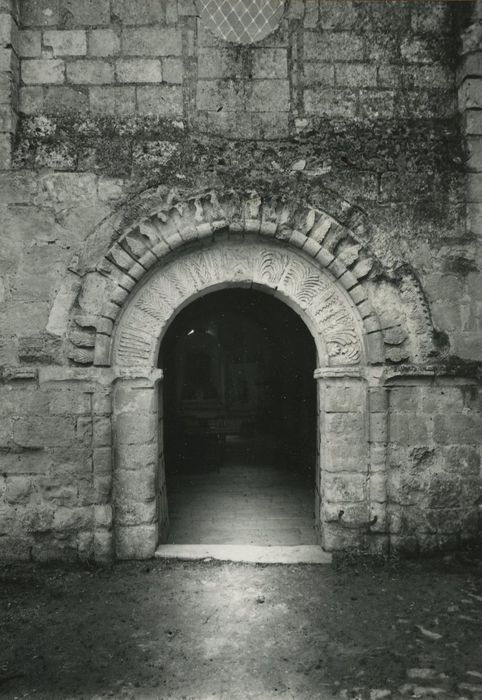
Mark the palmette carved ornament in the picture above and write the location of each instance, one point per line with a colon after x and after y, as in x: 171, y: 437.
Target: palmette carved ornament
x: 296, y: 280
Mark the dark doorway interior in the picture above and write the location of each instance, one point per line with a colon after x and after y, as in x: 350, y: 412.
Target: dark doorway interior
x: 240, y: 422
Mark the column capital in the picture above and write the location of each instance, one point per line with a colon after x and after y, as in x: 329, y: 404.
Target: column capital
x: 338, y: 373
x: 145, y: 376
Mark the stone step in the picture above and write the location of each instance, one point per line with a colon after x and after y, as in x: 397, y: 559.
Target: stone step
x: 252, y: 554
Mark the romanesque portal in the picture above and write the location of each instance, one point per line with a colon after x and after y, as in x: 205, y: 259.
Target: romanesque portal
x: 343, y: 376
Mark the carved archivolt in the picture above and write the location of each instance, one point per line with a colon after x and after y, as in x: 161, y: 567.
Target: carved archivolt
x: 326, y: 308
x: 162, y: 227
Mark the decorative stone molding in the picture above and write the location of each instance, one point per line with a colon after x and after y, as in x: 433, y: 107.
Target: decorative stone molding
x: 339, y: 331
x: 161, y: 228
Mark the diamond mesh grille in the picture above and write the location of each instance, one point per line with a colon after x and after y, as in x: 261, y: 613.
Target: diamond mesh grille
x: 241, y: 21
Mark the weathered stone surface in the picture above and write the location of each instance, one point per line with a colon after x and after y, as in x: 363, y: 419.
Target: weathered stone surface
x: 36, y: 71
x: 103, y: 42
x: 151, y: 41
x: 117, y: 97
x: 39, y: 431
x: 137, y: 542
x: 66, y: 42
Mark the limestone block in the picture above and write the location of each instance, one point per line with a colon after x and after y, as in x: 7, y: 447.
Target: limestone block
x: 36, y: 518
x: 29, y: 43
x: 336, y: 538
x: 117, y: 100
x: 138, y: 70
x: 40, y: 348
x: 35, y: 462
x: 378, y: 427
x: 341, y: 102
x: 61, y: 100
x: 339, y: 46
x: 448, y: 399
x: 135, y: 400
x: 86, y: 12
x: 349, y: 514
x: 416, y: 50
x: 457, y: 429
x: 405, y: 398
x: 103, y: 42
x: 42, y: 431
x: 377, y: 104
x: 138, y: 542
x: 270, y: 64
x: 318, y: 74
x: 61, y: 490
x: 430, y: 17
x: 102, y: 431
x: 37, y: 71
x: 137, y: 457
x: 151, y: 41
x: 102, y: 490
x: 463, y: 459
x: 172, y: 70
x: 219, y: 63
x: 90, y: 72
x: 378, y: 487
x: 378, y: 457
x: 345, y: 426
x: 18, y: 489
x: 211, y: 95
x: 474, y: 146
x: 161, y: 100
x: 470, y: 94
x: 473, y: 125
x: 66, y: 42
x: 102, y: 460
x: 73, y: 518
x: 103, y: 516
x: 39, y: 12
x: 140, y: 12
x: 83, y: 429
x: 378, y: 399
x: 8, y: 519
x: 346, y: 488
x: 341, y: 396
x: 355, y: 75
x: 187, y: 8
x: 31, y: 100
x: 135, y: 513
x: 18, y: 401
x: 137, y: 486
x: 268, y: 96
x: 101, y: 403
x: 408, y: 429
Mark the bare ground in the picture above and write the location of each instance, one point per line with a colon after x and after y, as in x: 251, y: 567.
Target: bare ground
x: 219, y: 630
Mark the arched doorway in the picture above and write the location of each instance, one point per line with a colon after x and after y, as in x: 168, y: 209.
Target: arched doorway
x: 240, y: 422
x: 346, y: 335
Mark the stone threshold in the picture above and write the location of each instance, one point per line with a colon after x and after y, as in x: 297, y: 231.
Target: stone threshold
x: 247, y: 553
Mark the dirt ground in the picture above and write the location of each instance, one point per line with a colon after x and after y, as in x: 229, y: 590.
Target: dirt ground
x: 217, y: 630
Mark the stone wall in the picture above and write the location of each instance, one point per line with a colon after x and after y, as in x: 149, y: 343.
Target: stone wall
x: 108, y: 107
x: 434, y: 463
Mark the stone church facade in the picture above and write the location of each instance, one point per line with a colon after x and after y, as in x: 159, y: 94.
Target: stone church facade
x: 326, y: 153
